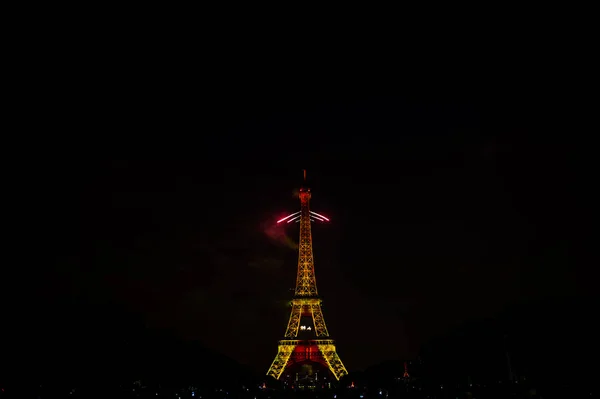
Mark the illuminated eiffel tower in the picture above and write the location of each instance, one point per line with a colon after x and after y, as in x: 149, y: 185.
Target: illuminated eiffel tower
x: 306, y: 338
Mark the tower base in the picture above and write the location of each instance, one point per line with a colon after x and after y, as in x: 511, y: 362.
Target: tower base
x: 294, y: 354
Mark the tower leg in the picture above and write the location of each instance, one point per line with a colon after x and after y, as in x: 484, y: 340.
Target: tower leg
x: 333, y: 360
x: 281, y: 360
x: 294, y: 323
x: 318, y: 320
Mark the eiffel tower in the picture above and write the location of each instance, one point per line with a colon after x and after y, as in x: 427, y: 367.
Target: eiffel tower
x: 306, y: 339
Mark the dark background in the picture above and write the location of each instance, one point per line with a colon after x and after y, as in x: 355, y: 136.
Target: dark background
x: 145, y: 203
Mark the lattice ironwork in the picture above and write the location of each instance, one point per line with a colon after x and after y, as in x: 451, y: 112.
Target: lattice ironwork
x: 294, y: 323
x: 333, y: 360
x: 306, y: 284
x: 281, y: 360
x: 318, y: 320
x: 306, y: 342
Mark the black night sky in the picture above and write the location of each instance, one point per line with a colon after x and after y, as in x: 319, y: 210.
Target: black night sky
x: 159, y: 201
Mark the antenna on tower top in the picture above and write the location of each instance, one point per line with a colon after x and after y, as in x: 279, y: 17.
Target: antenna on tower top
x: 305, y: 175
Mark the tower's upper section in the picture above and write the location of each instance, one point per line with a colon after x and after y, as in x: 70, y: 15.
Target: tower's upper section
x: 306, y: 284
